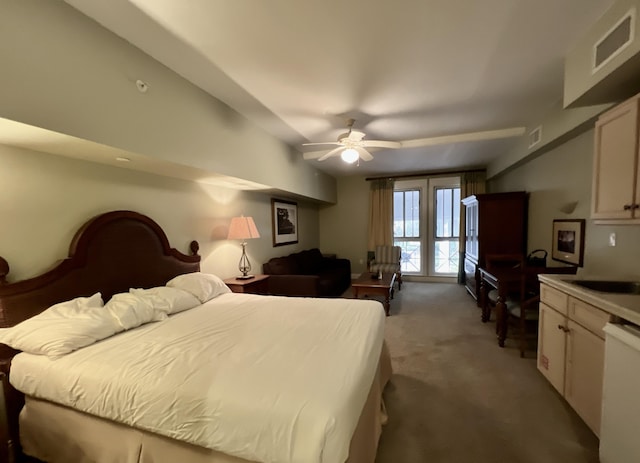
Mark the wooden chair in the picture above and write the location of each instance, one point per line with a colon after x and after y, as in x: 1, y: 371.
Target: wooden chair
x: 521, y: 293
x: 497, y: 262
x: 521, y: 303
x: 387, y: 259
x: 523, y: 309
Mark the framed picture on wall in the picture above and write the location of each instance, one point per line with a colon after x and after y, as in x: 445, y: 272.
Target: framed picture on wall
x: 568, y: 241
x: 284, y: 218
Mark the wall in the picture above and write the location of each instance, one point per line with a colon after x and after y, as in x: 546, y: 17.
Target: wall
x: 45, y: 198
x: 64, y: 72
x: 556, y: 180
x: 557, y: 127
x: 344, y: 226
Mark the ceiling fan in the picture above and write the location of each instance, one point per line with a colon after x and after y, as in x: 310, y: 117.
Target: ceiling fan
x: 351, y: 144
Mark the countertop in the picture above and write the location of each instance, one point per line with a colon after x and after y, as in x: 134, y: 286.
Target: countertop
x: 625, y: 306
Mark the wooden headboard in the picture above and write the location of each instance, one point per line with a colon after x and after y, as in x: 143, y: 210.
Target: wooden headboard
x: 109, y: 254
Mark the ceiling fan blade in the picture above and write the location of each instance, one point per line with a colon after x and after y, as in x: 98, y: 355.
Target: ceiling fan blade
x: 322, y: 143
x: 364, y: 154
x: 381, y: 144
x: 333, y: 152
x: 464, y: 137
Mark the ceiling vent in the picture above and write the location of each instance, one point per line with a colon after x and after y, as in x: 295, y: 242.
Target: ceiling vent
x: 535, y: 136
x: 614, y: 41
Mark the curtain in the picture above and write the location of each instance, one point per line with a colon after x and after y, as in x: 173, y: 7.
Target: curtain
x: 380, y: 213
x: 471, y: 183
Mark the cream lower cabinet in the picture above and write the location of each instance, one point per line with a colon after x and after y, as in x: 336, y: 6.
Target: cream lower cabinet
x: 571, y: 351
x: 552, y: 346
x: 584, y: 374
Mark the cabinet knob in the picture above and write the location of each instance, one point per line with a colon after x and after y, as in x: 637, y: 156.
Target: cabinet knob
x: 562, y: 328
x: 627, y: 207
x: 636, y: 206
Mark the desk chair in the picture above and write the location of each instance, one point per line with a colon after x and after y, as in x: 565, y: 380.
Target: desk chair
x: 524, y: 309
x: 387, y: 259
x: 489, y: 297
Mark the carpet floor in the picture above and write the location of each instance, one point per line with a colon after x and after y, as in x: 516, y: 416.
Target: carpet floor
x: 455, y: 396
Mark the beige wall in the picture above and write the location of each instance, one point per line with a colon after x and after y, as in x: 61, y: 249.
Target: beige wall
x: 556, y: 127
x: 45, y: 198
x: 556, y: 180
x: 64, y: 72
x: 344, y: 226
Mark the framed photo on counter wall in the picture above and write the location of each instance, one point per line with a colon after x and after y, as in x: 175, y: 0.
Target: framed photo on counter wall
x: 568, y: 241
x: 284, y: 217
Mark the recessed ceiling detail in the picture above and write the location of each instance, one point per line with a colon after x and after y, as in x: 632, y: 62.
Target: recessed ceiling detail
x: 405, y: 70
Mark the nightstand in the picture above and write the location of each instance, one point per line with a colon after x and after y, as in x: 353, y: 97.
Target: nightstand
x: 259, y: 284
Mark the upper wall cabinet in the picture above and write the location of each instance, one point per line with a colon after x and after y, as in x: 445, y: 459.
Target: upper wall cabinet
x: 616, y: 192
x: 604, y: 65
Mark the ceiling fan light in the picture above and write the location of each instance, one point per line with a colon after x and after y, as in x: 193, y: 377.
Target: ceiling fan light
x: 349, y: 155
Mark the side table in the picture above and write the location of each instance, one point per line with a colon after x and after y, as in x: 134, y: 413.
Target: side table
x: 259, y: 284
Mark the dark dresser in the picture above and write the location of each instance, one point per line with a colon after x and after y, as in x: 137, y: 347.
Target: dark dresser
x: 496, y: 223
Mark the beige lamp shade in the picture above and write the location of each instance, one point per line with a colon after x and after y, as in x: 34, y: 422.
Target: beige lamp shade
x: 242, y: 228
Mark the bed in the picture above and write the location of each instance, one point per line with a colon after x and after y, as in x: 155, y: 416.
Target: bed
x: 235, y: 378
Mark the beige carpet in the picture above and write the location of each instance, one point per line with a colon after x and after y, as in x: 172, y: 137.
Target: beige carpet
x: 455, y: 396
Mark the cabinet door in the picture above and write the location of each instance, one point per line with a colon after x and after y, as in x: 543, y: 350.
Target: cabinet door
x: 585, y: 369
x: 470, y: 277
x: 472, y: 231
x: 614, y: 164
x: 552, y: 346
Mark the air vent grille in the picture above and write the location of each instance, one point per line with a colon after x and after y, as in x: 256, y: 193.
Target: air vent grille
x: 614, y: 41
x: 535, y: 136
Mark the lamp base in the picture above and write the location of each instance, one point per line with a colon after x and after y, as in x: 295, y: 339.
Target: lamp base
x: 245, y: 277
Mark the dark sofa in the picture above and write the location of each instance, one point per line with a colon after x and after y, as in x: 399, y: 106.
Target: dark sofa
x: 308, y: 273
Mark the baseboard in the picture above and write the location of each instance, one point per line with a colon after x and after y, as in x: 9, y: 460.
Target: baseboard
x: 426, y: 279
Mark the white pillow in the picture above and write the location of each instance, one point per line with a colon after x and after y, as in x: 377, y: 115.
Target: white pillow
x: 62, y: 328
x: 204, y: 286
x: 166, y: 300
x: 130, y: 311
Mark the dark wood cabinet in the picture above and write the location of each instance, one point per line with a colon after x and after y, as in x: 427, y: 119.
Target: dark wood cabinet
x: 496, y: 223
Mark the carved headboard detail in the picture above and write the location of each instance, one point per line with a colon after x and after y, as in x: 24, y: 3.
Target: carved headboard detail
x: 110, y: 253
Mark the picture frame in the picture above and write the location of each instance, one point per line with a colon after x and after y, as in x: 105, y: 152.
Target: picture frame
x: 284, y: 220
x: 568, y: 241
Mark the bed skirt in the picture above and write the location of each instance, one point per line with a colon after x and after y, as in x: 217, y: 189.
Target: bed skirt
x: 58, y: 434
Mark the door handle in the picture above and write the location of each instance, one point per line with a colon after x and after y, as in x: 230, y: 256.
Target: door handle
x: 562, y: 328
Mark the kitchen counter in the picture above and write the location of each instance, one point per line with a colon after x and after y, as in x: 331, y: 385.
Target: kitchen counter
x: 624, y: 306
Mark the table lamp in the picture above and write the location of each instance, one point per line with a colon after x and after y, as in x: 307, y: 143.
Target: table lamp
x: 243, y: 228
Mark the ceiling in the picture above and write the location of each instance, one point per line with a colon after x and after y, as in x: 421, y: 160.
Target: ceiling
x: 404, y: 70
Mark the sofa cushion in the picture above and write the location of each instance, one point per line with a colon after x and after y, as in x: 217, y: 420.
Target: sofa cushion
x: 309, y: 261
x: 327, y: 285
x: 284, y: 266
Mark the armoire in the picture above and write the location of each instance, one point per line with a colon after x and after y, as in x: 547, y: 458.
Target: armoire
x: 496, y: 223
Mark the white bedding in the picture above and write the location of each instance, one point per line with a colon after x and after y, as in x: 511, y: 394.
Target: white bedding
x: 263, y: 378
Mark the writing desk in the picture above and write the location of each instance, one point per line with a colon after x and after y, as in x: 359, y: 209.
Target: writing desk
x: 510, y: 281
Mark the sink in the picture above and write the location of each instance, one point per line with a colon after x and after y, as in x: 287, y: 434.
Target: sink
x: 610, y: 286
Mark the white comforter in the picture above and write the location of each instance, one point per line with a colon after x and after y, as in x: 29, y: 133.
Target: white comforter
x: 269, y: 379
